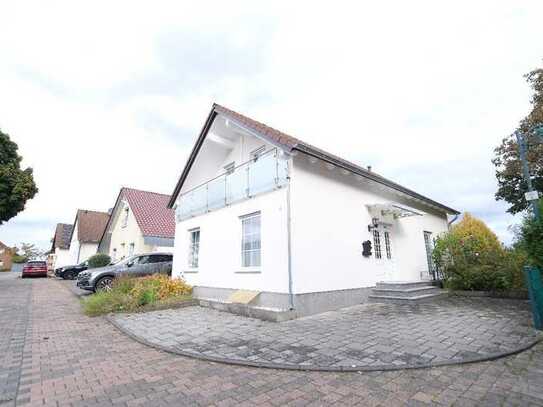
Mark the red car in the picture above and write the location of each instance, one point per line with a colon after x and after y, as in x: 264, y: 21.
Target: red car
x: 35, y: 269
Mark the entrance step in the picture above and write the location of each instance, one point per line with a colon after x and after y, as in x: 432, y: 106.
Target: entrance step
x: 405, y: 292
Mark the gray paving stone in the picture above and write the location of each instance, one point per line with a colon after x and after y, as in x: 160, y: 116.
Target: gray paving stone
x: 449, y: 329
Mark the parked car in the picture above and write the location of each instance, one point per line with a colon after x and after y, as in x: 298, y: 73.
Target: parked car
x: 71, y: 272
x: 101, y: 278
x: 35, y: 268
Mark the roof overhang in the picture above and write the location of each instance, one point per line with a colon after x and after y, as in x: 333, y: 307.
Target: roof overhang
x: 290, y: 147
x: 394, y: 210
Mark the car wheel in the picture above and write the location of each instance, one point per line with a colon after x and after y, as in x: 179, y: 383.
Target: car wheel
x: 71, y: 276
x: 104, y: 284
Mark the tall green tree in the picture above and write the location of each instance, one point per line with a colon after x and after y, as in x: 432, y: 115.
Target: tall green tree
x: 16, y: 185
x: 511, y: 184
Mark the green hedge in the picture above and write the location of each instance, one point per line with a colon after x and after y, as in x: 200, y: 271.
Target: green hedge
x: 99, y: 260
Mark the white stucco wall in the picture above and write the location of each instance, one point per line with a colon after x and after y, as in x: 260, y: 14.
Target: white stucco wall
x: 73, y: 253
x: 87, y: 250
x: 62, y: 258
x: 131, y: 233
x: 220, y: 246
x: 330, y: 221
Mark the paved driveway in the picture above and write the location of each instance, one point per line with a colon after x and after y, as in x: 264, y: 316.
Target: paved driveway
x: 363, y: 337
x: 54, y: 356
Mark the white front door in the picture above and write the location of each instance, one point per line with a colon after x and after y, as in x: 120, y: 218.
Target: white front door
x: 382, y: 253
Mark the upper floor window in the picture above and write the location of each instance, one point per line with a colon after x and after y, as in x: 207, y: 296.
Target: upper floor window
x: 194, y: 247
x: 125, y: 216
x: 250, y: 240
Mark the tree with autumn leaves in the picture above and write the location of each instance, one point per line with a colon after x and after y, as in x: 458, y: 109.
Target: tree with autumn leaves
x: 511, y: 184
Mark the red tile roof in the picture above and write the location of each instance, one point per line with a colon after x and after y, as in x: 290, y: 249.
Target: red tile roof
x: 151, y: 212
x: 90, y: 225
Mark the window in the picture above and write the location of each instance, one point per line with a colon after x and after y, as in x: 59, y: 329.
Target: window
x: 377, y: 244
x: 114, y: 255
x: 194, y: 247
x: 125, y: 216
x: 429, y: 248
x: 131, y: 249
x: 229, y: 168
x: 257, y: 152
x: 387, y: 245
x: 161, y: 258
x: 250, y: 240
x: 123, y: 251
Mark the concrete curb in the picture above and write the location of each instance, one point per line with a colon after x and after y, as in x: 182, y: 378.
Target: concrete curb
x: 284, y: 366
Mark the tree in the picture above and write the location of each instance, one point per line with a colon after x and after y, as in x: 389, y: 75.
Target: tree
x: 511, y: 184
x: 16, y: 185
x: 28, y: 251
x: 530, y: 237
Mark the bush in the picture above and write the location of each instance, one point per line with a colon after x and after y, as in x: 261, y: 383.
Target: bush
x: 99, y: 260
x: 471, y: 257
x: 130, y: 294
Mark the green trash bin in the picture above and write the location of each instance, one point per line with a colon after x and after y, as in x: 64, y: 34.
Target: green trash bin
x: 535, y: 290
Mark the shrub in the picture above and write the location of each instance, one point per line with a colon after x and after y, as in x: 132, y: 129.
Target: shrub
x: 132, y: 294
x: 99, y: 260
x: 471, y: 257
x: 531, y: 237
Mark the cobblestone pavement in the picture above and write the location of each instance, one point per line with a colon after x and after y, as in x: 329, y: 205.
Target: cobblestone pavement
x: 67, y: 359
x: 366, y: 336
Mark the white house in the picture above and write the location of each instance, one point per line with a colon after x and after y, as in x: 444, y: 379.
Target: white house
x: 140, y: 222
x: 59, y: 256
x: 86, y: 233
x: 301, y: 229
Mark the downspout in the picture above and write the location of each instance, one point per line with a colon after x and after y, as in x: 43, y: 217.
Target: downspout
x: 289, y: 240
x: 452, y: 220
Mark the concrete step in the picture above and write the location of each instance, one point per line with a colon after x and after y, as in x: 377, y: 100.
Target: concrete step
x: 408, y: 292
x: 402, y: 284
x: 407, y: 300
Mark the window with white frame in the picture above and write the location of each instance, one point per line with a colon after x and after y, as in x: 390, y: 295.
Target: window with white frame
x: 114, y: 256
x: 125, y: 216
x: 377, y: 244
x: 194, y: 247
x: 250, y: 240
x: 131, y: 249
x: 387, y: 245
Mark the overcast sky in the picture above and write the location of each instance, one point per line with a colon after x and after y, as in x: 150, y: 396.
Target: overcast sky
x: 104, y: 95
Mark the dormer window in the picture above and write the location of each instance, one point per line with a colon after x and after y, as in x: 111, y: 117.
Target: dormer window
x: 125, y: 216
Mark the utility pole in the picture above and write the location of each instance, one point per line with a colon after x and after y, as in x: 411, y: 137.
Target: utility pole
x: 532, y: 196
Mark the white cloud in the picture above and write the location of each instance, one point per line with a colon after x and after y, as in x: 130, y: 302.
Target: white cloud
x: 101, y: 95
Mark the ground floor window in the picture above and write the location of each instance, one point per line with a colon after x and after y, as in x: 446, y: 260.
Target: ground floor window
x: 377, y: 244
x: 114, y: 256
x: 194, y: 247
x: 250, y: 240
x: 131, y: 249
x: 387, y: 245
x: 428, y: 242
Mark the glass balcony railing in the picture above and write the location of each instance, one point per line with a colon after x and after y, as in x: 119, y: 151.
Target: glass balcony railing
x: 265, y: 173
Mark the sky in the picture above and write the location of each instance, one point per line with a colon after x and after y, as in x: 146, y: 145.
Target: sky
x: 100, y: 95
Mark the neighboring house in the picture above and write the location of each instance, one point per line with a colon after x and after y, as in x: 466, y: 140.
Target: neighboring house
x: 140, y: 222
x: 59, y: 256
x: 87, y: 230
x: 6, y: 255
x: 259, y: 210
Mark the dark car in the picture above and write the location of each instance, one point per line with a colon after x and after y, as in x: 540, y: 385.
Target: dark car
x: 71, y: 272
x: 34, y: 268
x: 101, y: 278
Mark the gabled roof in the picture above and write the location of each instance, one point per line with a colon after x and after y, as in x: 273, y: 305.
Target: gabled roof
x: 63, y: 232
x: 151, y: 211
x: 90, y: 225
x: 290, y: 144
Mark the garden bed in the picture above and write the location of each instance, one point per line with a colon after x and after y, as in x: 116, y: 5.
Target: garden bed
x: 141, y: 294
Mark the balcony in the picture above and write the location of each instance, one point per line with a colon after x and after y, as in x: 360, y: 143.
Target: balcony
x: 263, y: 174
